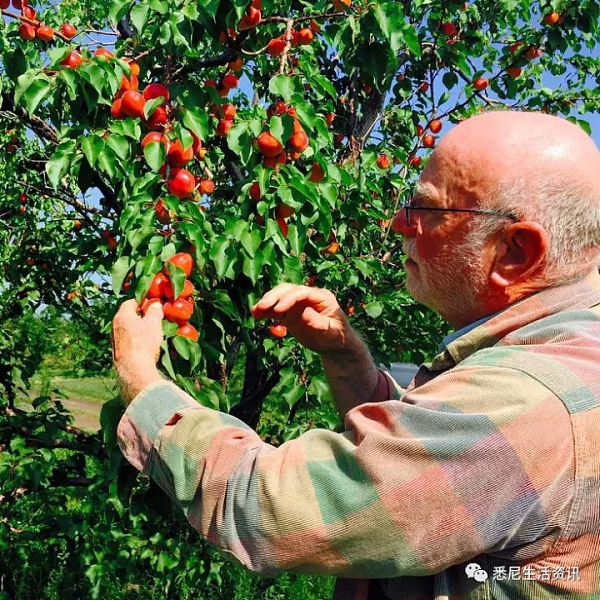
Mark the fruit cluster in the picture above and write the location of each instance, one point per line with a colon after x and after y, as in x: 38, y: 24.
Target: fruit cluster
x: 32, y: 28
x: 176, y: 310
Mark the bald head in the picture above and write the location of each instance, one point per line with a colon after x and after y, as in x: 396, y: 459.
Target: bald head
x: 486, y: 152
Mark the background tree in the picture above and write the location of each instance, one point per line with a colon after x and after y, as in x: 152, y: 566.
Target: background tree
x: 198, y: 154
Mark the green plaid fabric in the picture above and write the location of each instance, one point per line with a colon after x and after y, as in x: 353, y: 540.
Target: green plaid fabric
x: 480, y: 481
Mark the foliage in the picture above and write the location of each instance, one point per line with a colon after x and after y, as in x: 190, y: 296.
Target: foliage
x: 81, y: 229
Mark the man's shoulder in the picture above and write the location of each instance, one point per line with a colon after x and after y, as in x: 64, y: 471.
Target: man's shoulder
x: 561, y: 352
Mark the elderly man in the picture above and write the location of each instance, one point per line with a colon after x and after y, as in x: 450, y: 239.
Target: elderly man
x: 482, y: 478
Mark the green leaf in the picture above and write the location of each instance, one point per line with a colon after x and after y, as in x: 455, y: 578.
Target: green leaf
x: 118, y: 8
x: 374, y: 309
x: 92, y: 146
x: 139, y: 16
x: 411, y: 39
x: 59, y: 162
x: 177, y: 277
x: 119, y: 271
x: 285, y: 86
x: 252, y: 266
x: 32, y: 88
x: 292, y: 269
x: 239, y: 141
x: 251, y: 241
x: 218, y: 254
x: 182, y: 348
x: 155, y: 154
x: 120, y: 145
x: 390, y: 19
x: 152, y: 105
x: 196, y: 120
x: 166, y: 360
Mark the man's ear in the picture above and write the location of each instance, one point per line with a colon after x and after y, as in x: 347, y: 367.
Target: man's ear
x: 519, y: 254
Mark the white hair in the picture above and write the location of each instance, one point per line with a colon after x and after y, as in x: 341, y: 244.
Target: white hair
x: 569, y: 214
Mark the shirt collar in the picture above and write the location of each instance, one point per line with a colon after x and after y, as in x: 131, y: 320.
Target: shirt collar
x: 579, y: 294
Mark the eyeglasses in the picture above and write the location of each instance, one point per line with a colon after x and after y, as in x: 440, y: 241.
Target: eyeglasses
x: 409, y: 206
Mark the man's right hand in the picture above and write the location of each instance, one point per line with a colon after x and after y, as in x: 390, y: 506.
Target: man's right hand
x: 312, y: 315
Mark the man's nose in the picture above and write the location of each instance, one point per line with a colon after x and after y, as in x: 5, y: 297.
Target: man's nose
x: 401, y: 226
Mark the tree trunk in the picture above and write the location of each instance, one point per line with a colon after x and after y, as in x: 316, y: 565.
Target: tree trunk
x: 258, y: 383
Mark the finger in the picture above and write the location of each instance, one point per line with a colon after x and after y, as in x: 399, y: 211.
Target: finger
x: 127, y: 310
x: 272, y: 297
x: 154, y: 313
x: 296, y: 300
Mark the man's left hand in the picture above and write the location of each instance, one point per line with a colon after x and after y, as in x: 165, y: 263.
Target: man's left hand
x: 136, y: 344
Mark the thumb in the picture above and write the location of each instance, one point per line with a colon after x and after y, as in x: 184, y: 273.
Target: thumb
x: 314, y: 319
x: 154, y: 313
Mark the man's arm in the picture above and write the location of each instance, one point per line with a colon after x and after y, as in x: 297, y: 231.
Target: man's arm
x: 353, y: 377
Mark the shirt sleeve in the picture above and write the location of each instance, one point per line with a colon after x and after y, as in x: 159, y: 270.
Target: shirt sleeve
x: 478, y: 459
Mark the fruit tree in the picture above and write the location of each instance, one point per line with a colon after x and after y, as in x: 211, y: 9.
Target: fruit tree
x: 198, y: 153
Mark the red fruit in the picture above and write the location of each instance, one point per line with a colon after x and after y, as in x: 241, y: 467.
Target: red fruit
x: 341, y: 4
x: 551, y: 18
x: 178, y: 156
x: 158, y: 118
x: 448, y: 28
x: 514, y: 47
x: 435, y: 126
x: 255, y: 191
x: 28, y: 12
x: 188, y: 331
x: 104, y: 53
x: 338, y: 138
x: 513, y: 72
x: 250, y: 19
x: 178, y: 311
x: 276, y: 46
x: 415, y: 161
x: 305, y: 36
x: 281, y: 109
x: 314, y: 26
x: 383, y: 161
x: 316, y: 173
x: 268, y: 145
x: 400, y: 78
x: 278, y: 331
x: 157, y: 288
x: 424, y: 87
x: 72, y: 60
x: 132, y: 104
x: 146, y: 302
x: 196, y: 144
x: 236, y: 65
x: 283, y: 211
x: 298, y: 142
x: 76, y: 225
x: 228, y: 111
x: 367, y: 89
x: 22, y: 209
x: 181, y: 183
x: 210, y: 83
x: 330, y: 118
x: 283, y: 226
x: 125, y: 85
x: 68, y: 30
x: 116, y: 109
x: 27, y: 31
x: 188, y: 290
x: 135, y: 68
x: 23, y: 198
x: 182, y: 260
x: 480, y: 84
x: 224, y: 126
x: 45, y: 33
x: 429, y: 141
x: 230, y: 81
x: 532, y: 53
x: 207, y: 186
x: 420, y: 130
x: 17, y: 4
x: 163, y: 214
x: 153, y: 136
x: 156, y: 90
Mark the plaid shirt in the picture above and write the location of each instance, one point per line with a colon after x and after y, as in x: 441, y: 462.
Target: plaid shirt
x: 480, y: 481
